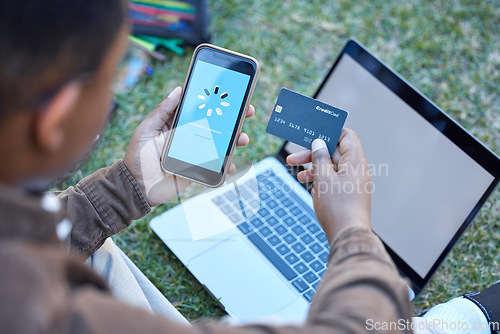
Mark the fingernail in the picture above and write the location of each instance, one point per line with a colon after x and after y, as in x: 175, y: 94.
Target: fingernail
x: 172, y: 92
x: 318, y: 144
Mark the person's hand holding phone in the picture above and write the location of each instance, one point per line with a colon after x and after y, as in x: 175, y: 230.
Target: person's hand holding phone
x: 144, y: 151
x: 342, y: 183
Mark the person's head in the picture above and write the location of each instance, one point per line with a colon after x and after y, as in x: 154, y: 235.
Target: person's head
x: 57, y: 62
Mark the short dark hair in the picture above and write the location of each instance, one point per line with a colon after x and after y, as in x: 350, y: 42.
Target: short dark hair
x: 45, y: 42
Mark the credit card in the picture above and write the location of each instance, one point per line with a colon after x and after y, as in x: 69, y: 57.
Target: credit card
x: 301, y: 119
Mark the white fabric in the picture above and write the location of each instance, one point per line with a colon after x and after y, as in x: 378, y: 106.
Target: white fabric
x: 129, y: 284
x: 457, y: 316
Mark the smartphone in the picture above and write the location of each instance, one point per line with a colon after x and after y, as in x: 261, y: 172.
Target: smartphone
x: 216, y: 95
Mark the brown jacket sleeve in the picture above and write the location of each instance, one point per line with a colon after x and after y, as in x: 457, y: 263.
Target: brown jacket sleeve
x: 360, y: 292
x: 100, y: 205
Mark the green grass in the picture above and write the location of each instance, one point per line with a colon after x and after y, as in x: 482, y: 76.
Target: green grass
x: 450, y: 50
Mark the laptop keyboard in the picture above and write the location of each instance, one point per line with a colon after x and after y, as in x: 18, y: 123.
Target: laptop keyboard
x: 281, y: 226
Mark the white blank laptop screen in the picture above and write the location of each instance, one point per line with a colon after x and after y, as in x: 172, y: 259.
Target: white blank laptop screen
x: 425, y: 185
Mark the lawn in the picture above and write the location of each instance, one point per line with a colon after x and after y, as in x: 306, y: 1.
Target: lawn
x: 450, y: 50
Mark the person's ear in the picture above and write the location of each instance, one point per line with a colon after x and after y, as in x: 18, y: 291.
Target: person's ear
x: 49, y: 126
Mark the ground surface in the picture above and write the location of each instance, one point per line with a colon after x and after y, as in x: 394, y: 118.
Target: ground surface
x: 450, y: 50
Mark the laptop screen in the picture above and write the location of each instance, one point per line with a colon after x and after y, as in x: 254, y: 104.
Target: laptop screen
x: 426, y: 188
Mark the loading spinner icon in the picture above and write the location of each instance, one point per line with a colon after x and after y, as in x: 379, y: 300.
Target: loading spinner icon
x: 208, y: 97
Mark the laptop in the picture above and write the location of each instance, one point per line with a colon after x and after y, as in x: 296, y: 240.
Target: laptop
x: 255, y: 243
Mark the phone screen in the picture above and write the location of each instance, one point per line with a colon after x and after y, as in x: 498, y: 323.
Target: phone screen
x: 208, y: 115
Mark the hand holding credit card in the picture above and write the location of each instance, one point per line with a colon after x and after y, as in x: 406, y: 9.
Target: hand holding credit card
x: 301, y: 119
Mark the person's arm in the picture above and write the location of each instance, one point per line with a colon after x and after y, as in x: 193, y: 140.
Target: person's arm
x: 362, y: 283
x: 361, y: 292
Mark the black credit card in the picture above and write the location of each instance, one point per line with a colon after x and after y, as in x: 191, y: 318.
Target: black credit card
x: 301, y: 119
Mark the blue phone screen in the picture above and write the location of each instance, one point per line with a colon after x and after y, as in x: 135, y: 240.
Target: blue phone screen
x: 208, y: 116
